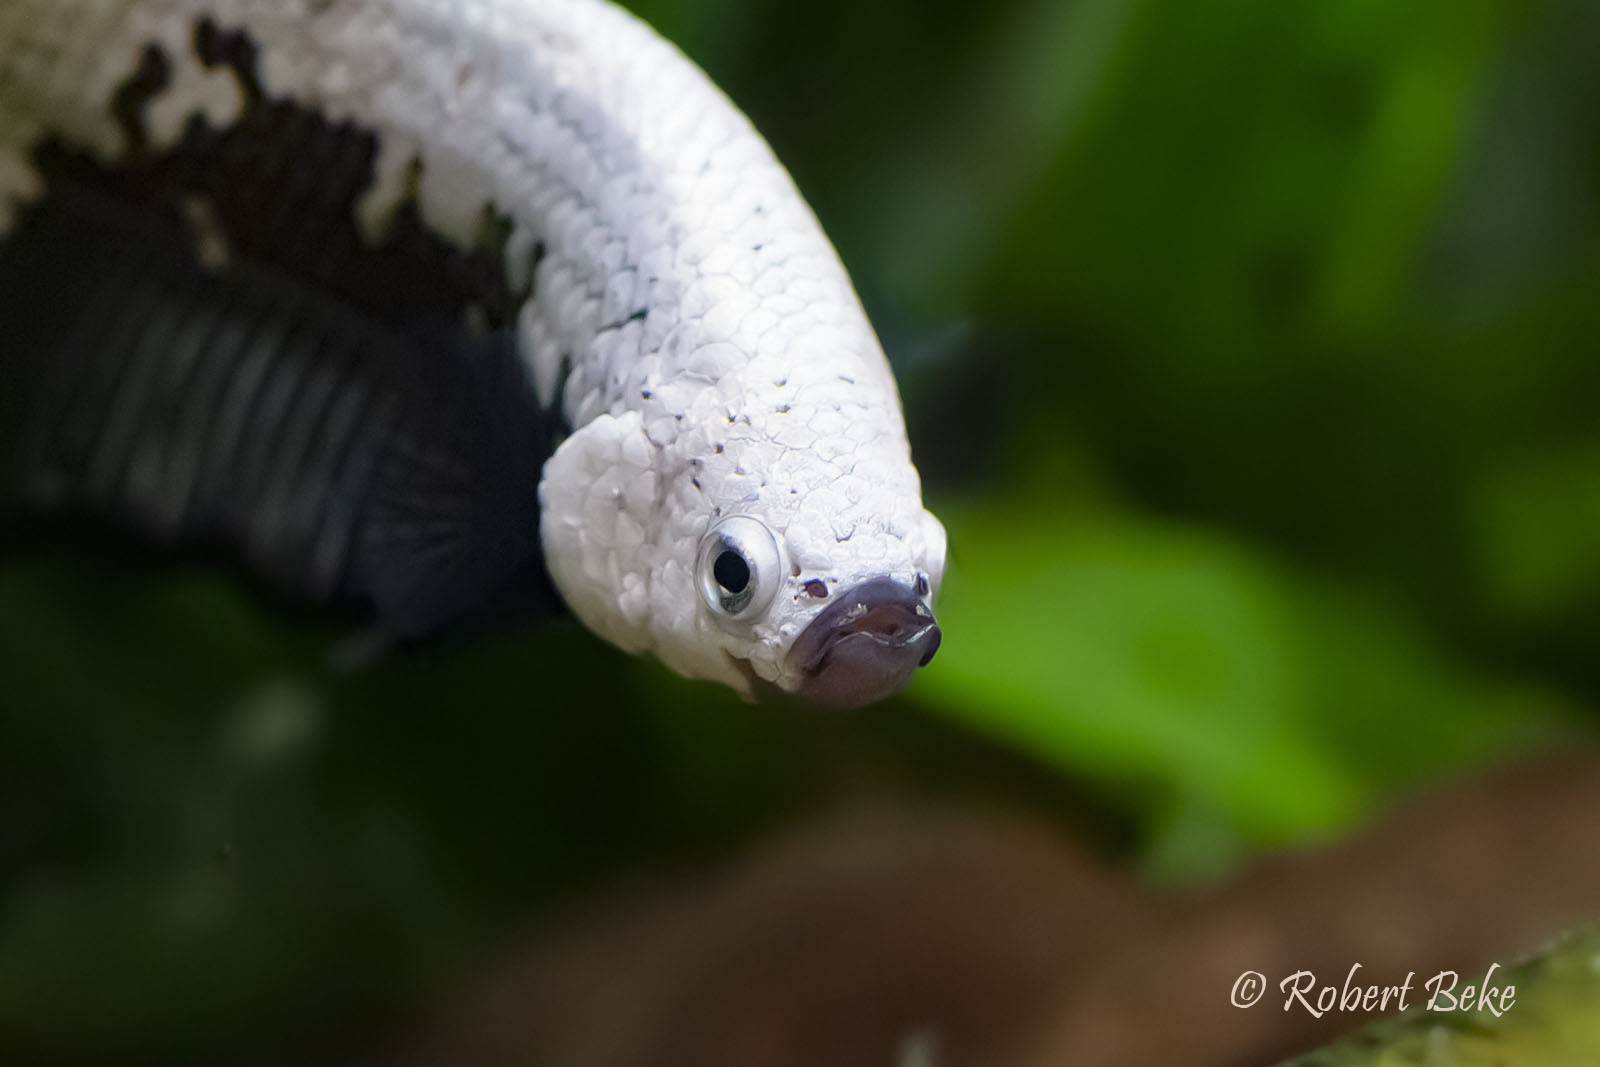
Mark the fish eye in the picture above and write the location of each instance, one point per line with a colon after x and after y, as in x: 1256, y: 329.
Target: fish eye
x: 739, y: 568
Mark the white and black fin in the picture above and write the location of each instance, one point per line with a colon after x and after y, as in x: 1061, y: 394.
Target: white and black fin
x: 199, y: 343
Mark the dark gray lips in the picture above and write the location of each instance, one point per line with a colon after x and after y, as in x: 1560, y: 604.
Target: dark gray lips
x: 865, y: 645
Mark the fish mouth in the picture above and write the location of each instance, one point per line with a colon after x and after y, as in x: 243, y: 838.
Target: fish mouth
x: 864, y: 646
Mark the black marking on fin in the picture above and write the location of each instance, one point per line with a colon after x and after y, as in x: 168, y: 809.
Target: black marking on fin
x: 237, y: 50
x: 128, y: 103
x: 347, y: 417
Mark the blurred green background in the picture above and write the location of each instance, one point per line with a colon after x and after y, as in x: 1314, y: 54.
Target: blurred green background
x: 1248, y: 352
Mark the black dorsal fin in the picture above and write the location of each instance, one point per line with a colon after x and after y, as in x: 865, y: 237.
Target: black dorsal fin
x: 197, y: 342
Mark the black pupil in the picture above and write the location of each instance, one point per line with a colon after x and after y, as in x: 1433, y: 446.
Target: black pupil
x: 731, y: 571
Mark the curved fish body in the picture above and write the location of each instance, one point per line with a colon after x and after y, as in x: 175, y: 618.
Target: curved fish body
x: 425, y: 304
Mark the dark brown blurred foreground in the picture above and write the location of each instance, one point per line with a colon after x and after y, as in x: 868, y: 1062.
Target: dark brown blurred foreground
x: 961, y: 937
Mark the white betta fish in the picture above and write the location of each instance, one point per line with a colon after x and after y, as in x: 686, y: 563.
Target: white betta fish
x: 428, y: 304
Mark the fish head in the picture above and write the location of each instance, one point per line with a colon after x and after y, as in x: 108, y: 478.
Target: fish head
x: 770, y: 535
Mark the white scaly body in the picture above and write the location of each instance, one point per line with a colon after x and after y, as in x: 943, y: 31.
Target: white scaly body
x: 688, y: 315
